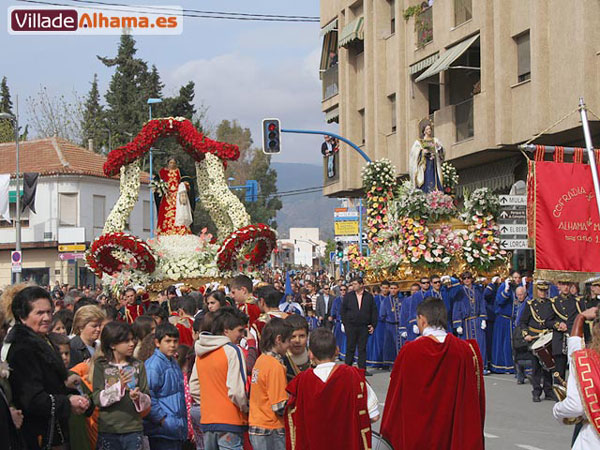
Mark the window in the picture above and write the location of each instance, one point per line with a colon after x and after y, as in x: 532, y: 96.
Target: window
x: 433, y: 94
x: 99, y: 204
x: 392, y: 4
x: 523, y: 57
x: 67, y: 209
x: 146, y: 212
x: 361, y: 114
x: 463, y: 10
x: 392, y: 103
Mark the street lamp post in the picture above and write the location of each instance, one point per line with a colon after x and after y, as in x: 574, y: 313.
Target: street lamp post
x: 15, y: 122
x: 150, y: 102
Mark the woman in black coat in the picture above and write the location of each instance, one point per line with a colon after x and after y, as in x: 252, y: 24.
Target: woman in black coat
x: 38, y: 375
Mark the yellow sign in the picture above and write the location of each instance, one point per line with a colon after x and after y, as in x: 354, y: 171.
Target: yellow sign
x: 72, y: 248
x: 346, y: 228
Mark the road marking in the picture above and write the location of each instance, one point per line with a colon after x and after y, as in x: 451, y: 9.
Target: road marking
x: 528, y: 447
x: 490, y: 436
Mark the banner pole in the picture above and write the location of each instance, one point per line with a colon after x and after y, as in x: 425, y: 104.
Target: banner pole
x: 590, y: 150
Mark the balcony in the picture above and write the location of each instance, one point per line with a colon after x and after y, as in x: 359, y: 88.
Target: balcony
x: 331, y: 167
x: 463, y: 120
x: 424, y: 27
x: 330, y: 82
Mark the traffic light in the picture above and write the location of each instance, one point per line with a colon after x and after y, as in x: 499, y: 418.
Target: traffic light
x: 339, y: 249
x: 271, y: 134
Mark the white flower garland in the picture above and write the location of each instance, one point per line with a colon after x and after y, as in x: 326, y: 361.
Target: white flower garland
x: 226, y: 210
x: 129, y: 188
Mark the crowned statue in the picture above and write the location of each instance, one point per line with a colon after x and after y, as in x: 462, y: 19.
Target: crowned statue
x: 425, y: 161
x: 174, y: 213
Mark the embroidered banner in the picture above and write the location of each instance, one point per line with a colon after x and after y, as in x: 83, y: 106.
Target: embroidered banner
x: 567, y: 224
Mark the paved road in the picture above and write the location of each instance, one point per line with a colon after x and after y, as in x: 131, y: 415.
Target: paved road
x: 513, y: 421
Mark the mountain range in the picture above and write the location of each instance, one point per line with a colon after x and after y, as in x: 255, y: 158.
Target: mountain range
x: 303, y: 209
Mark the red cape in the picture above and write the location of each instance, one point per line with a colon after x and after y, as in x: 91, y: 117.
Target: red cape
x: 436, y: 397
x: 331, y: 415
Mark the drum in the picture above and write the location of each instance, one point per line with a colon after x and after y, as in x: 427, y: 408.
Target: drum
x: 379, y: 442
x: 542, y: 348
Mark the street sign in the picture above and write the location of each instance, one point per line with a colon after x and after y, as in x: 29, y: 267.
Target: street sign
x: 513, y: 200
x: 16, y: 259
x: 347, y: 239
x: 514, y: 244
x: 513, y: 229
x: 512, y: 222
x: 346, y: 228
x: 72, y: 248
x: 71, y: 256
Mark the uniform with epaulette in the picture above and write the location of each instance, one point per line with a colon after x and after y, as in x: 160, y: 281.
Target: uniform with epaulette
x: 565, y: 309
x: 535, y: 321
x: 591, y: 301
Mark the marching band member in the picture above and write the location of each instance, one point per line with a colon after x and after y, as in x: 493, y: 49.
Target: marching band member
x: 534, y: 322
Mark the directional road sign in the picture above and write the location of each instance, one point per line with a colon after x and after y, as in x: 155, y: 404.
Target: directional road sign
x: 72, y: 248
x: 512, y: 221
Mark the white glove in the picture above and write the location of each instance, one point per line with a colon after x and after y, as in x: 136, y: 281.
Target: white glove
x: 524, y: 281
x: 445, y: 279
x: 506, y: 287
x: 459, y: 330
x: 343, y: 329
x: 495, y: 279
x: 415, y: 329
x: 404, y: 334
x: 483, y: 324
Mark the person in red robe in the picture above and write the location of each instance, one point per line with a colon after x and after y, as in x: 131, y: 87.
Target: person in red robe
x: 436, y: 396
x: 330, y: 406
x: 168, y: 205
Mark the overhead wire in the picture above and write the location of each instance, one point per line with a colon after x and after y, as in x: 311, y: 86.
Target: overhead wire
x: 185, y: 13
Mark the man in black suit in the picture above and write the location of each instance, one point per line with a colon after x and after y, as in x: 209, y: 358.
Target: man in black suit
x: 359, y: 316
x: 324, y: 304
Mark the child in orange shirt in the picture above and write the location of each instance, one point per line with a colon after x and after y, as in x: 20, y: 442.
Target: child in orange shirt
x: 268, y: 396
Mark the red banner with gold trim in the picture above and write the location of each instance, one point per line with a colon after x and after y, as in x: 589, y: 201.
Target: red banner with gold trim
x: 565, y: 219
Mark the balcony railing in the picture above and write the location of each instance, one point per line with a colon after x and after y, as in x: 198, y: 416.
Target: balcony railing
x: 331, y: 167
x: 463, y: 120
x: 424, y: 27
x: 330, y: 82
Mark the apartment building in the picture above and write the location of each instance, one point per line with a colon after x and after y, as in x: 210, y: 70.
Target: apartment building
x: 488, y: 74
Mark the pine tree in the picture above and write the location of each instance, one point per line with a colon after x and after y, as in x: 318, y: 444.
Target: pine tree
x: 6, y: 127
x: 93, y: 121
x: 126, y: 110
x: 5, y: 101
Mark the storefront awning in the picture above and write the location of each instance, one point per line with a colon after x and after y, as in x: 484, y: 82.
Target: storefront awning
x: 351, y: 32
x: 331, y: 26
x: 423, y: 64
x: 451, y: 55
x: 332, y: 115
x: 495, y: 176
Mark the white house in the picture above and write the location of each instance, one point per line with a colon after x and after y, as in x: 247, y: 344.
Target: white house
x: 73, y: 199
x: 306, y: 245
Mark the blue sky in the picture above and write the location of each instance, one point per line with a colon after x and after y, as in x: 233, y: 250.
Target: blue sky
x: 243, y: 70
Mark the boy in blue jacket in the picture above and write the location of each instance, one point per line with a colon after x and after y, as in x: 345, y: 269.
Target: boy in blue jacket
x: 166, y: 425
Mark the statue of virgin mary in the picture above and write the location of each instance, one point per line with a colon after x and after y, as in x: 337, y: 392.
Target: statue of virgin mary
x: 425, y: 162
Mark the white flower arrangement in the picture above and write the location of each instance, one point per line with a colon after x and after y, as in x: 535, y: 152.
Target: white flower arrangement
x: 226, y: 210
x: 129, y: 190
x: 381, y: 172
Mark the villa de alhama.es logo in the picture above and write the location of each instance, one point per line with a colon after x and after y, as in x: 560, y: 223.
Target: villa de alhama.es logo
x: 95, y: 20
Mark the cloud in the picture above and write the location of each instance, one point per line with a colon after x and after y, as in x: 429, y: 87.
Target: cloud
x: 240, y: 86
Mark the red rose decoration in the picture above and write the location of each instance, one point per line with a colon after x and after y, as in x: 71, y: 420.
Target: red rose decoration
x: 100, y: 259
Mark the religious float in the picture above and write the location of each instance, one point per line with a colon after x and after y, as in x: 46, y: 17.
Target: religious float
x: 415, y: 228
x: 176, y: 255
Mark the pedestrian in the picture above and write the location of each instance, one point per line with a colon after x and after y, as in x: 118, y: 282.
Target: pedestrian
x: 268, y: 302
x: 501, y: 360
x: 37, y: 372
x: 241, y: 291
x: 338, y: 330
x: 268, y: 396
x: 329, y: 395
x: 324, y: 305
x: 87, y: 324
x: 436, y: 395
x: 296, y: 358
x: 390, y: 314
x: 408, y: 329
x: 221, y: 371
x: 359, y: 316
x: 142, y: 327
x: 120, y: 390
x: 166, y: 424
